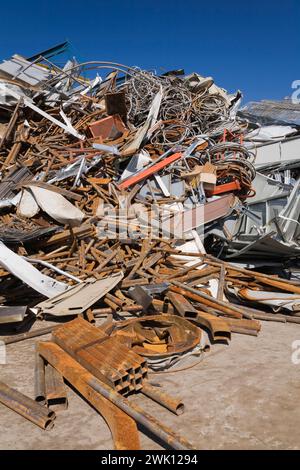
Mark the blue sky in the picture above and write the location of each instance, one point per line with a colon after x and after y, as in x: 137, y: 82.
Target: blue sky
x: 252, y: 45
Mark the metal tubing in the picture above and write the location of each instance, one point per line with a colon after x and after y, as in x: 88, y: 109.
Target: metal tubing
x: 182, y: 305
x: 56, y: 393
x: 109, y: 310
x: 142, y: 417
x: 26, y: 407
x: 39, y: 379
x: 116, y: 300
x: 172, y: 404
x: 116, y: 308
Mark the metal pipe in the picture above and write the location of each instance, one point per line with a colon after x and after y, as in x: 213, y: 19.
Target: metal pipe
x: 30, y: 334
x: 89, y: 316
x: 142, y: 417
x: 108, y: 310
x: 39, y: 379
x: 79, y: 376
x: 172, y: 404
x: 26, y: 407
x: 116, y: 300
x: 223, y: 306
x: 112, y: 305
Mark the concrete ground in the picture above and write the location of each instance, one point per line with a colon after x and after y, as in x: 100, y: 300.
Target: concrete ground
x: 241, y: 396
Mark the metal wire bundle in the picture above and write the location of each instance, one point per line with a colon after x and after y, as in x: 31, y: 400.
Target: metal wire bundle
x: 229, y: 149
x: 212, y: 109
x: 181, y: 110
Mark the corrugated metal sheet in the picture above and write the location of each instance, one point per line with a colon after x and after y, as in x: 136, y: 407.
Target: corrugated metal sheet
x: 272, y: 112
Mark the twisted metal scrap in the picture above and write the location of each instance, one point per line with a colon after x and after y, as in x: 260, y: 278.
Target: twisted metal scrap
x: 183, y: 113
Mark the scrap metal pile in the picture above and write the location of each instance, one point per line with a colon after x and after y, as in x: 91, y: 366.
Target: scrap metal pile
x: 108, y: 188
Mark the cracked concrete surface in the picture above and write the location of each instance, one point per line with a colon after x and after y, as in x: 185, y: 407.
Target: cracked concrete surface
x: 241, y: 396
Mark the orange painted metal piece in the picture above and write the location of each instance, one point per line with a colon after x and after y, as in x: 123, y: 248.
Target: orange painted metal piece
x: 150, y: 171
x: 108, y: 127
x: 226, y: 188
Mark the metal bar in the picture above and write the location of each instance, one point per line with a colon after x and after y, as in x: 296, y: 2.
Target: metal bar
x: 11, y: 123
x: 133, y: 282
x: 31, y: 334
x: 278, y: 284
x: 227, y: 187
x: 221, y: 284
x: 209, y: 259
x: 184, y: 271
x: 149, y: 171
x: 56, y: 394
x: 244, y: 331
x: 245, y: 324
x: 140, y: 260
x: 196, y: 294
x: 182, y: 305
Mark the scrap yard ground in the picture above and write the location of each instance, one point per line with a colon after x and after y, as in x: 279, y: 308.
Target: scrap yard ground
x: 241, y: 396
